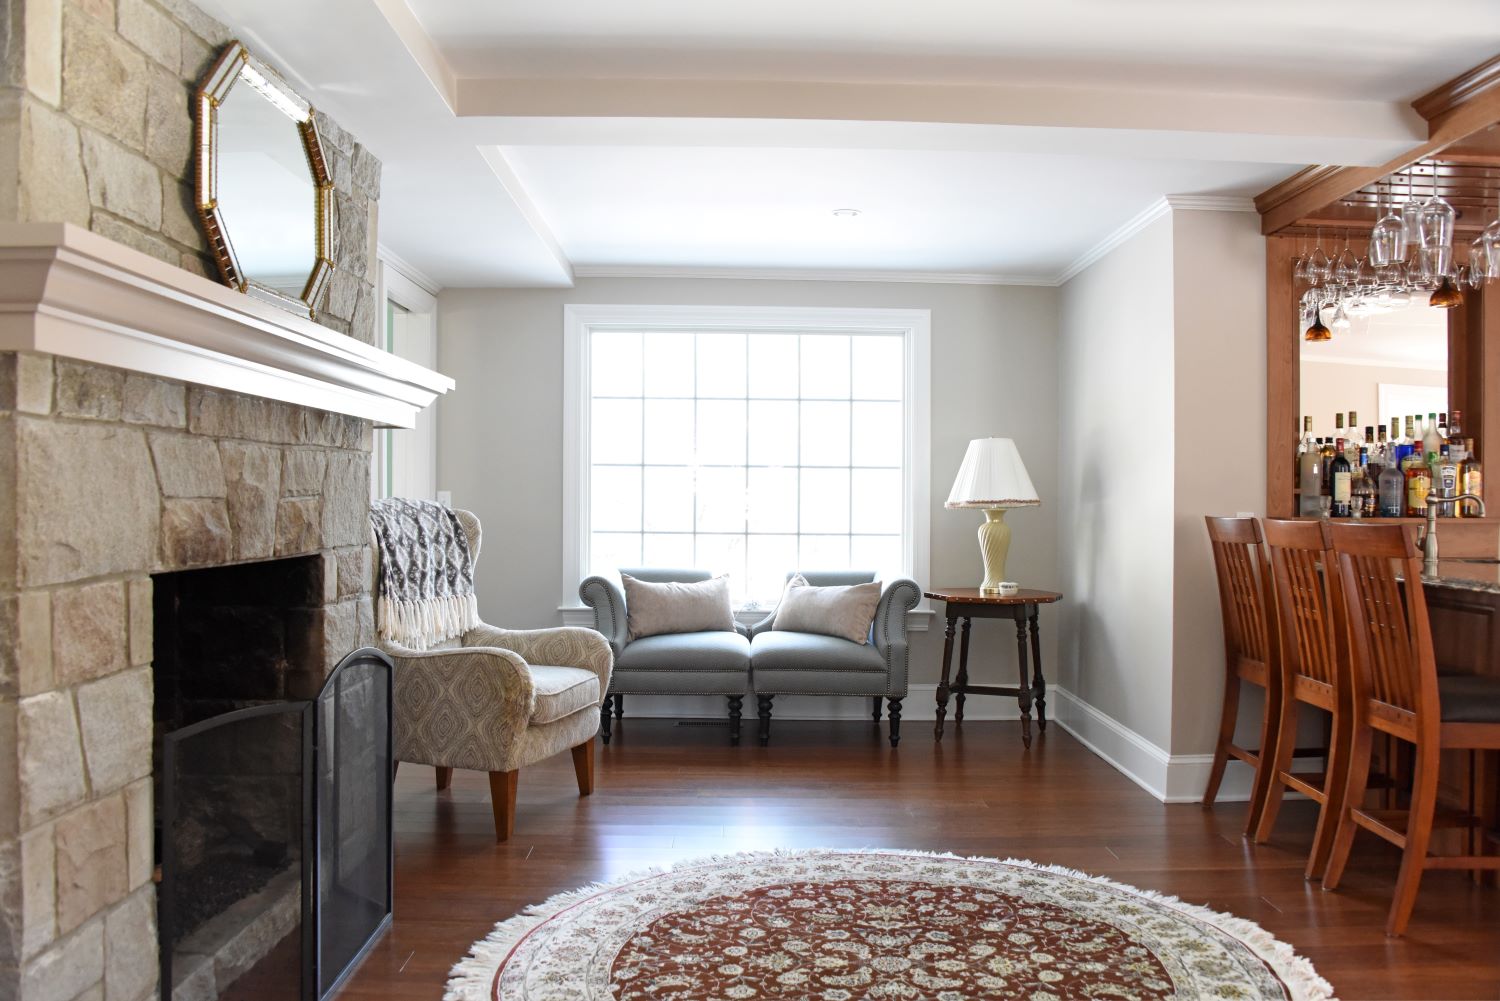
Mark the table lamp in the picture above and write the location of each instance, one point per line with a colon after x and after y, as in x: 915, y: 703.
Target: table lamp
x: 992, y: 478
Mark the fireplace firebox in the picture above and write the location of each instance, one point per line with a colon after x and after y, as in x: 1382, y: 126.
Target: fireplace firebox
x: 273, y: 812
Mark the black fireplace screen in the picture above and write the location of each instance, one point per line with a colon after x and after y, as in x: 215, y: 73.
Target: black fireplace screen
x: 276, y: 841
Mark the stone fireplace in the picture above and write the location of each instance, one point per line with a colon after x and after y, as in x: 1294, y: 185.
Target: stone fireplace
x: 113, y: 479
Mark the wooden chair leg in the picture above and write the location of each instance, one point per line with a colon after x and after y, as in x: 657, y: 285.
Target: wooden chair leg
x: 1270, y: 738
x: 875, y: 708
x: 1354, y: 796
x: 1286, y: 723
x: 1227, y: 718
x: 444, y: 777
x: 895, y: 705
x: 503, y: 803
x: 1418, y: 837
x: 1335, y: 783
x: 606, y: 717
x: 619, y: 707
x: 583, y: 766
x: 765, y: 718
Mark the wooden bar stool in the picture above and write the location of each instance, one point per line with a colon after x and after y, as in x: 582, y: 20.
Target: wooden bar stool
x: 1396, y: 690
x: 1314, y: 672
x: 1250, y: 653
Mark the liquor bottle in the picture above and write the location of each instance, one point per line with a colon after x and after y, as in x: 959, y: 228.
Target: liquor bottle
x: 1327, y: 488
x: 1432, y: 442
x: 1391, y: 491
x: 1409, y: 442
x: 1445, y: 481
x: 1418, y: 484
x: 1362, y: 492
x: 1376, y: 465
x: 1455, y: 426
x: 1310, y: 477
x: 1473, y: 480
x: 1341, y: 476
x: 1338, y: 425
x: 1443, y: 426
x: 1354, y: 442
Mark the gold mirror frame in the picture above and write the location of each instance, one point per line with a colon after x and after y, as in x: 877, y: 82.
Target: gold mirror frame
x: 236, y: 65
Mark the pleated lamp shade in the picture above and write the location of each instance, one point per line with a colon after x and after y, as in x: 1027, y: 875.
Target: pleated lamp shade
x: 992, y: 475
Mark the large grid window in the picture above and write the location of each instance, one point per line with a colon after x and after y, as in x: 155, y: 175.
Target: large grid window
x: 747, y: 452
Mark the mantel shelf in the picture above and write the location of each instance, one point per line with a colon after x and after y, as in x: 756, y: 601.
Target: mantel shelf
x: 69, y: 292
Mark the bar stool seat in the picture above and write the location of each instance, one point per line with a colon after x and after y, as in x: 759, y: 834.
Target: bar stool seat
x: 1469, y: 698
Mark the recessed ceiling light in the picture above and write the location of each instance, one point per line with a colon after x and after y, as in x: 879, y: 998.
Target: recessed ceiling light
x: 846, y: 213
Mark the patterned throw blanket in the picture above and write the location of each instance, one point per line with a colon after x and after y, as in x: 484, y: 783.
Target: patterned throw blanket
x: 426, y: 573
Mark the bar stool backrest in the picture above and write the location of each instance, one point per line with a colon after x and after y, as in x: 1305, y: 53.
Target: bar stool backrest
x: 1394, y: 674
x: 1307, y: 601
x: 1244, y: 591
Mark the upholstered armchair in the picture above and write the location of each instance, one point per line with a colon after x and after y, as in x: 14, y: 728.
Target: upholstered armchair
x: 496, y: 700
x: 794, y: 663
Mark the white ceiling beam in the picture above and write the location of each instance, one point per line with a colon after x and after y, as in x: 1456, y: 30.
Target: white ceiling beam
x: 1052, y: 107
x: 521, y: 198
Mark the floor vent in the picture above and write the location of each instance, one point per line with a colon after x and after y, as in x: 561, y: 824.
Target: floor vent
x: 703, y: 722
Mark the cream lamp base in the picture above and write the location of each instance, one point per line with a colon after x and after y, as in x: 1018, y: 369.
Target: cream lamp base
x: 994, y: 544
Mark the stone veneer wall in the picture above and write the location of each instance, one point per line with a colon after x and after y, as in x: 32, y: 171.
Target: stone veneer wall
x: 106, y: 477
x: 96, y: 129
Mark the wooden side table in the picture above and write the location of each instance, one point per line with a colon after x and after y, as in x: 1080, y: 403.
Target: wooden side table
x: 968, y: 603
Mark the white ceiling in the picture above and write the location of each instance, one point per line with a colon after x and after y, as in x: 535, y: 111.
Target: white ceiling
x: 978, y: 137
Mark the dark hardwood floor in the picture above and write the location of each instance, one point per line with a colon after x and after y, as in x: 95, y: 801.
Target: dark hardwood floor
x: 666, y: 792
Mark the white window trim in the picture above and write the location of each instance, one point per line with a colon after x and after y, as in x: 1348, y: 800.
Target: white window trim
x: 579, y: 321
x: 396, y: 281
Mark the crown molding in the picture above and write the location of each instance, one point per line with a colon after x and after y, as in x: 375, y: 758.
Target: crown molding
x: 1134, y: 225
x: 1211, y: 203
x: 410, y: 271
x: 1470, y: 85
x: 811, y: 275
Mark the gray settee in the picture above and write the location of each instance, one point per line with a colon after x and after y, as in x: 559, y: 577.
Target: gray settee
x: 757, y: 658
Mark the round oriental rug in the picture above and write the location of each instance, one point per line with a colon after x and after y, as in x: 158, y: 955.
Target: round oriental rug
x: 875, y: 926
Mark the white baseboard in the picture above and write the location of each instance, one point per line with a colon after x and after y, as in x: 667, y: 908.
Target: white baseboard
x: 920, y: 704
x: 1170, y: 778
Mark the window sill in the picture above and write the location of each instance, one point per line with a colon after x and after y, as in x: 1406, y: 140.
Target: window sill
x: 918, y: 620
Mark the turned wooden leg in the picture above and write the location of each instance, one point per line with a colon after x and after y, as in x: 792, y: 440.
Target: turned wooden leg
x: 963, y: 673
x: 503, y: 802
x: 735, y: 702
x: 583, y: 766
x: 895, y: 705
x: 619, y: 707
x: 1025, y: 686
x: 942, y: 689
x: 875, y: 708
x: 444, y: 777
x: 1038, y: 684
x: 765, y: 719
x: 606, y: 716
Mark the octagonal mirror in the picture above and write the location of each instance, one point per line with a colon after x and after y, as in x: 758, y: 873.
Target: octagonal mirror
x: 263, y: 191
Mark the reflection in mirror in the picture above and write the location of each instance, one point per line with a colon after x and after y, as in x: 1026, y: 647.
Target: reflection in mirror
x: 1386, y: 365
x: 266, y: 192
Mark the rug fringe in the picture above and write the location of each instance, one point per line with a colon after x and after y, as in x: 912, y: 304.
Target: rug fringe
x: 471, y: 978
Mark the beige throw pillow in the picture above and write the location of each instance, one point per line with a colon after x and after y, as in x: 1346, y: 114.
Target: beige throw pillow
x: 845, y: 611
x: 653, y: 609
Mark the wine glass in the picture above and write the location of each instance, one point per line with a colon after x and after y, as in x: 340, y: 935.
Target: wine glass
x: 1318, y: 266
x: 1437, y: 221
x: 1347, y: 269
x: 1411, y: 216
x: 1388, y: 238
x: 1491, y: 239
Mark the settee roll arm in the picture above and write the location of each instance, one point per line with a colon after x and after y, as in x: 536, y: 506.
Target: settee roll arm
x: 559, y: 646
x: 900, y: 597
x: 487, y: 690
x: 601, y: 594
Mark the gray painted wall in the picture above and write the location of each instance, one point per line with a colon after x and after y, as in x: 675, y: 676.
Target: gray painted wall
x: 994, y: 371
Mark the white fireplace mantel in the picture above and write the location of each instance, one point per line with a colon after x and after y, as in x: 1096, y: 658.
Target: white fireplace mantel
x: 69, y: 292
